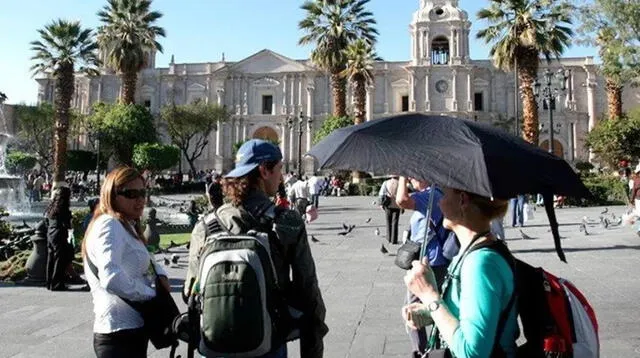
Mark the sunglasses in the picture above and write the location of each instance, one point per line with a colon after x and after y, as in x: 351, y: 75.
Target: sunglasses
x: 133, y: 193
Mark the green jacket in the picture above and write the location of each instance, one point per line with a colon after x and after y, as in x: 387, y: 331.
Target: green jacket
x: 293, y: 261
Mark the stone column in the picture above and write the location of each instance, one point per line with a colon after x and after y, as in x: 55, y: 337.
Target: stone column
x: 309, y: 135
x: 99, y: 90
x: 219, y: 131
x: 469, y: 88
x: 220, y: 99
x: 238, y: 137
x: 427, y: 83
x: 412, y: 92
x: 292, y: 103
x: 591, y: 102
x: 427, y: 46
x: 420, y: 46
x: 458, y: 39
x: 310, y: 90
x: 284, y: 94
x: 385, y: 88
x: 452, y: 49
x: 572, y: 91
x: 299, y: 109
x: 370, y: 99
x: 454, y: 90
x: 292, y: 145
x: 416, y: 46
x: 492, y: 94
x: 283, y: 141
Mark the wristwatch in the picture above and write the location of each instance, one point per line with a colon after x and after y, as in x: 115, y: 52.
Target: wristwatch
x: 433, y: 306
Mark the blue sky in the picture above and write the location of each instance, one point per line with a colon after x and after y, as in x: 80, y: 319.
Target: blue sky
x: 201, y: 30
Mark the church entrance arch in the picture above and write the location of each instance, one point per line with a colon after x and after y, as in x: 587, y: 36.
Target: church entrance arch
x: 558, y: 149
x: 266, y: 133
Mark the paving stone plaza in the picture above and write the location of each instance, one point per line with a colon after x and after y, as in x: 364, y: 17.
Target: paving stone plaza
x: 363, y: 289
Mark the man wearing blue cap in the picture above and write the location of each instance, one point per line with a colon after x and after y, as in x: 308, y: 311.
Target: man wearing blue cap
x: 249, y: 188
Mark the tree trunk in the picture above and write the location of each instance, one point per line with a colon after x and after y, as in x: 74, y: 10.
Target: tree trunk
x: 360, y: 106
x: 614, y: 99
x: 339, y: 90
x: 64, y: 92
x: 129, y: 80
x: 527, y: 72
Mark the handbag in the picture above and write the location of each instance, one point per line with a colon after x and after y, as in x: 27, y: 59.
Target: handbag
x: 158, y: 313
x: 407, y: 253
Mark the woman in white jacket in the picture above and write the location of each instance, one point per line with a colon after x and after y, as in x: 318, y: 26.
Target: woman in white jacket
x: 115, y: 246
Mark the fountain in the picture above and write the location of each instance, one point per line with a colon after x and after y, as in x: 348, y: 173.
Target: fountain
x: 12, y: 188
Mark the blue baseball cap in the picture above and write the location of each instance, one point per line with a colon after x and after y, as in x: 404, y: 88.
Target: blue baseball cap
x: 251, y: 154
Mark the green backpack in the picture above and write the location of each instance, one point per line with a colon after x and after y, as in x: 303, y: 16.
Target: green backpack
x: 239, y: 301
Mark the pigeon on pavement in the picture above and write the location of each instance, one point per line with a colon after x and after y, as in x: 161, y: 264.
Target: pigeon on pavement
x: 583, y: 228
x: 175, y: 258
x: 313, y: 239
x: 166, y: 261
x: 377, y: 232
x: 606, y: 210
x: 345, y: 226
x: 384, y: 250
x: 525, y: 236
x: 368, y: 220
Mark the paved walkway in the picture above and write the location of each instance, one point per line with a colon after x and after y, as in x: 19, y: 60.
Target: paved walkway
x: 363, y: 290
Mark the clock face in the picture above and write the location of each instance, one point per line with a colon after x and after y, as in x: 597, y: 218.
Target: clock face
x: 442, y: 86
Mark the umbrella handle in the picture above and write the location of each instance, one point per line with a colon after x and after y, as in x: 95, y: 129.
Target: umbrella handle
x: 427, y: 231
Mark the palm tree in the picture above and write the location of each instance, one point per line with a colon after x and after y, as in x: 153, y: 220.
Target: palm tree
x: 522, y: 30
x: 3, y: 97
x: 63, y: 48
x: 128, y: 33
x: 360, y: 60
x: 331, y: 25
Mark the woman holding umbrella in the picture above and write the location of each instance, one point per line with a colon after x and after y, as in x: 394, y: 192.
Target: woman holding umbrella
x: 478, y: 290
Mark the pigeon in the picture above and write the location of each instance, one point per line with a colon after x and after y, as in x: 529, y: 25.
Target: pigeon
x: 606, y: 210
x: 166, y: 261
x: 350, y: 229
x: 377, y: 232
x: 525, y: 236
x: 583, y: 228
x: 313, y: 239
x: 384, y: 250
x: 368, y: 220
x: 175, y: 258
x: 345, y: 226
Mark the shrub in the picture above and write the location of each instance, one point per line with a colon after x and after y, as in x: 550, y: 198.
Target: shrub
x: 20, y: 162
x: 606, y: 190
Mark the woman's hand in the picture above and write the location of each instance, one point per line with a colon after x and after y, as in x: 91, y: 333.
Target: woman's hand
x: 164, y: 281
x: 415, y: 317
x: 421, y: 281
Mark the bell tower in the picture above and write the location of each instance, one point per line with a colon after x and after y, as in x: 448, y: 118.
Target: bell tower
x: 439, y: 34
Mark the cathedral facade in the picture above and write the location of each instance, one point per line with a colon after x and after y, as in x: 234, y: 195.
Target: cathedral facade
x: 265, y: 91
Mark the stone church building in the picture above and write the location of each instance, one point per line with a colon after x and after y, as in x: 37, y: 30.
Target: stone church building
x: 267, y: 89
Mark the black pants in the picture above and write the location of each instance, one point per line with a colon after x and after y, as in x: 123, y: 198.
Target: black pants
x: 420, y: 337
x: 393, y: 216
x: 301, y: 206
x: 128, y: 343
x: 59, y: 256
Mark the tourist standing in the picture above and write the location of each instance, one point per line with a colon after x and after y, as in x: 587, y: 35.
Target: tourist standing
x: 114, y: 245
x: 249, y: 187
x: 387, y: 201
x: 418, y: 201
x: 477, y: 291
x: 315, y: 188
x: 60, y: 251
x: 517, y: 210
x: 300, y: 192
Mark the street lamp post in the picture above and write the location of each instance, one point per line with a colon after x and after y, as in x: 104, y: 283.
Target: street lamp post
x: 98, y: 163
x: 297, y: 125
x: 548, y: 92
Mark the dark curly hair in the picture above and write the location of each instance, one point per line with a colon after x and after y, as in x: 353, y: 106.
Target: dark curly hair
x: 237, y: 189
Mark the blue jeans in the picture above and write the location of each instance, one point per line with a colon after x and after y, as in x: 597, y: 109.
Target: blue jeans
x: 517, y: 210
x: 315, y: 199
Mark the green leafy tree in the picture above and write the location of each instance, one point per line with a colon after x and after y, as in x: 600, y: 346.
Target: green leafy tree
x: 155, y: 157
x: 523, y: 31
x: 331, y: 25
x: 127, y: 36
x: 190, y: 126
x: 120, y: 127
x: 85, y: 160
x: 360, y: 59
x: 35, y: 131
x: 615, y: 140
x: 603, y: 24
x: 329, y: 125
x: 64, y: 48
x: 20, y: 162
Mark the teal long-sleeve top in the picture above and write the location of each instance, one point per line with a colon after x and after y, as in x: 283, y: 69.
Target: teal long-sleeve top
x: 479, y: 292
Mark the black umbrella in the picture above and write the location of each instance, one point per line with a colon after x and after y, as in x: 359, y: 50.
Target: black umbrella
x: 454, y: 153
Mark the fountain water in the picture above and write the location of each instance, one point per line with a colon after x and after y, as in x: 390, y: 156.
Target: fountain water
x: 12, y: 188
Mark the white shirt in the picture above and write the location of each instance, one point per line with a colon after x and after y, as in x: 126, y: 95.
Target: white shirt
x: 123, y: 269
x: 315, y: 185
x: 300, y: 189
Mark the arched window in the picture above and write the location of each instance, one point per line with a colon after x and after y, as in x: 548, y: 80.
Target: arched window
x: 440, y: 51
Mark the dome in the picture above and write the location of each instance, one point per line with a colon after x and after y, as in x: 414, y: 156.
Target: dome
x: 434, y: 11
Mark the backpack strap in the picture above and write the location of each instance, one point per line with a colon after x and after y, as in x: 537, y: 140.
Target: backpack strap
x: 502, y: 249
